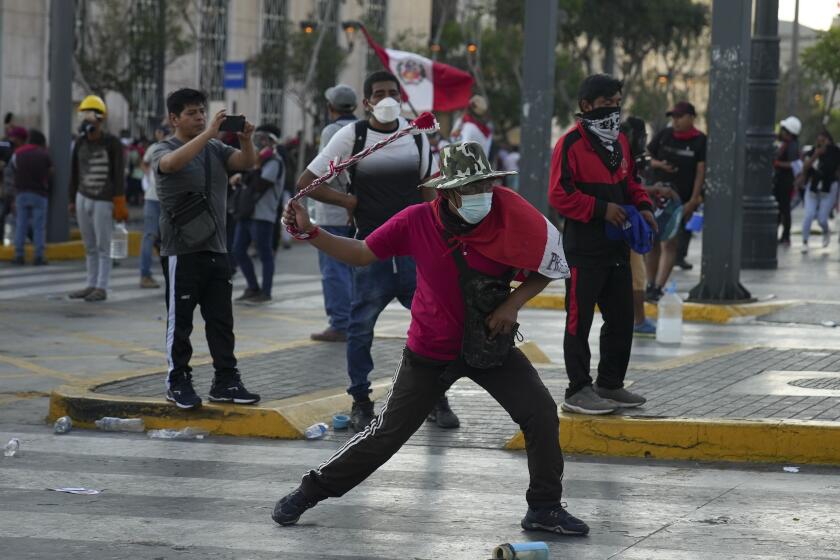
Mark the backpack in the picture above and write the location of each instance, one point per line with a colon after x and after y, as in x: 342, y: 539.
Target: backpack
x: 245, y: 198
x: 361, y: 129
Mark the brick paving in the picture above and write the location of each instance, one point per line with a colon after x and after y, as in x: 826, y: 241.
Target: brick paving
x: 705, y: 389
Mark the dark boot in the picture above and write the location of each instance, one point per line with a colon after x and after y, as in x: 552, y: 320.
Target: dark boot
x: 443, y: 416
x: 361, y: 415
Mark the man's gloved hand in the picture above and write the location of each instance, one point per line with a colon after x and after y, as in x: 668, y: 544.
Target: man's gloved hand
x: 120, y: 209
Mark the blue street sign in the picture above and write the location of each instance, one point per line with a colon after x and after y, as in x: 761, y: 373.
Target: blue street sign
x: 234, y: 76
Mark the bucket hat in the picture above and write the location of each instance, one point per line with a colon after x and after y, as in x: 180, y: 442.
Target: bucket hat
x: 463, y: 163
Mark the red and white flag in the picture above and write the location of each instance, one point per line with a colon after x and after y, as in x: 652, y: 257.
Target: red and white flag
x: 516, y: 234
x: 429, y: 85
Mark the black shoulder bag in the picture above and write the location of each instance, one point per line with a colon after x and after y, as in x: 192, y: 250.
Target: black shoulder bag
x: 192, y: 218
x: 482, y: 295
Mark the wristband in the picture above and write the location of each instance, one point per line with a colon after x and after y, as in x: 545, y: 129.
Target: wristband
x: 305, y: 235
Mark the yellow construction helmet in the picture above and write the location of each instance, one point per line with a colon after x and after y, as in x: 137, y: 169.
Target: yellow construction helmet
x: 93, y: 103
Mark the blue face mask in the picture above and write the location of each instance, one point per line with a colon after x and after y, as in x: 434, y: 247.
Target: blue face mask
x: 474, y: 207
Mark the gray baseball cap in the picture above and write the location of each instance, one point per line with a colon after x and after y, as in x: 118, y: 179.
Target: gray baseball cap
x: 342, y: 97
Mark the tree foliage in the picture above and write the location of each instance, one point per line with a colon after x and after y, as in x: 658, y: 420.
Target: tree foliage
x: 822, y: 61
x: 113, y: 56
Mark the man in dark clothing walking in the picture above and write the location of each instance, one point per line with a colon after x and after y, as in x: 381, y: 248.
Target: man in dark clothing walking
x: 191, y: 168
x: 592, y: 179
x: 31, y: 169
x: 380, y: 186
x: 786, y: 166
x: 678, y: 157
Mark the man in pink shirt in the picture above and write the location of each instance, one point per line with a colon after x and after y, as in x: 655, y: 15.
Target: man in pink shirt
x: 467, y: 244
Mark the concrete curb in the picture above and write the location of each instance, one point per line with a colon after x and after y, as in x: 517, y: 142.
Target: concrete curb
x: 699, y: 312
x: 701, y: 439
x: 69, y: 250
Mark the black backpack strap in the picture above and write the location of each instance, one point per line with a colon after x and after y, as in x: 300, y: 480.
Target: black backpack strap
x: 361, y: 128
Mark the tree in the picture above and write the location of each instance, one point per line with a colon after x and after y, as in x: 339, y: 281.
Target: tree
x: 113, y: 56
x: 822, y: 61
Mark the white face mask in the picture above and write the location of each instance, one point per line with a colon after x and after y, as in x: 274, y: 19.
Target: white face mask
x: 387, y: 110
x: 474, y: 207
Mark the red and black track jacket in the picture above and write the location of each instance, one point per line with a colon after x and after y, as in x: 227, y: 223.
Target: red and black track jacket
x: 580, y: 187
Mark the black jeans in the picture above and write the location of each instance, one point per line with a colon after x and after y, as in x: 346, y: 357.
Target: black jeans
x: 201, y: 279
x: 611, y: 288
x: 418, y: 384
x: 782, y: 191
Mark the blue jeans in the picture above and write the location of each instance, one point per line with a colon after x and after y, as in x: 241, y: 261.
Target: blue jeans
x: 261, y: 233
x: 30, y: 207
x: 374, y: 286
x: 337, y: 284
x: 151, y: 235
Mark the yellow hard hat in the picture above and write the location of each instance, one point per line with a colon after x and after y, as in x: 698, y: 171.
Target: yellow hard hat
x: 93, y: 103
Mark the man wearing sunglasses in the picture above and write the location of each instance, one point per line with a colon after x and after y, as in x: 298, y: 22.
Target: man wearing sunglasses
x: 467, y: 243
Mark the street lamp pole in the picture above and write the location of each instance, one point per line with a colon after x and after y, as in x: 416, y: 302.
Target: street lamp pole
x: 721, y: 262
x: 760, y: 208
x: 62, y: 18
x: 537, y: 100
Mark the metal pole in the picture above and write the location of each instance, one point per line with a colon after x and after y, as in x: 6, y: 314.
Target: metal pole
x: 160, y: 65
x: 721, y: 262
x: 793, y: 74
x: 537, y: 100
x: 760, y: 208
x: 62, y: 19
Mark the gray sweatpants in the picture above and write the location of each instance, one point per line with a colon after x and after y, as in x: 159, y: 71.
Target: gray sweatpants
x: 96, y: 222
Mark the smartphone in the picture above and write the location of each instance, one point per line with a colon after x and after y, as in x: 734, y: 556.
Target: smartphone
x: 233, y: 123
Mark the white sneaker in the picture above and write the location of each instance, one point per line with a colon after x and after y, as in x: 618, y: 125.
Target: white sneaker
x: 804, y: 248
x: 826, y: 238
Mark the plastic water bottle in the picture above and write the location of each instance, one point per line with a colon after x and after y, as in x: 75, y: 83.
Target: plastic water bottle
x: 111, y: 424
x: 695, y: 223
x: 12, y: 447
x: 119, y: 241
x: 669, y: 320
x: 316, y: 431
x: 186, y: 433
x: 63, y: 425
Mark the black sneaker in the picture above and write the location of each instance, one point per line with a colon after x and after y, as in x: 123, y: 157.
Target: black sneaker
x: 684, y: 264
x: 229, y: 388
x: 290, y: 507
x: 18, y: 260
x: 247, y: 295
x: 181, y: 391
x: 653, y: 294
x: 554, y: 519
x: 361, y: 415
x: 443, y: 416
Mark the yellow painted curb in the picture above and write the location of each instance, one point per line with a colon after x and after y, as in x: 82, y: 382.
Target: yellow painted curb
x: 702, y: 439
x: 534, y: 353
x: 699, y: 312
x: 69, y: 250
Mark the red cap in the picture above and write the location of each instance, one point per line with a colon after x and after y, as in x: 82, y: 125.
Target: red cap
x: 680, y: 109
x: 18, y: 132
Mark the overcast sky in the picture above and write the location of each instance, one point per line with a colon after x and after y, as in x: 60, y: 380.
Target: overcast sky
x: 816, y: 14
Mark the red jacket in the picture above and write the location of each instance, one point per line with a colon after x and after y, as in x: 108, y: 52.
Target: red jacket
x: 580, y: 187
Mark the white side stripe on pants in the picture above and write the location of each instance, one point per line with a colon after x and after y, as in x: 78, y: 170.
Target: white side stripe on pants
x: 371, y: 428
x: 170, y: 316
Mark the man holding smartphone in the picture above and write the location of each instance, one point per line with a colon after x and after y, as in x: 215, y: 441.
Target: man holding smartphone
x: 190, y: 165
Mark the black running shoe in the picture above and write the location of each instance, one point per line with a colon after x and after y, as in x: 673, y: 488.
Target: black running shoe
x: 181, y: 391
x: 361, y: 415
x: 443, y: 416
x: 229, y: 388
x: 554, y: 519
x: 289, y: 508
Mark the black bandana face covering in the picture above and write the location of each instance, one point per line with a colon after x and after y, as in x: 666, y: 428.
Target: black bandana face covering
x: 603, y: 123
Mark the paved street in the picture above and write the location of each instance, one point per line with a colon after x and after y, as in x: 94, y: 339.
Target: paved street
x: 212, y: 499
x: 427, y: 502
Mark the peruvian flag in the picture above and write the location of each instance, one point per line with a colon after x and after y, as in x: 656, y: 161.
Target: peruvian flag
x: 516, y: 234
x: 429, y: 85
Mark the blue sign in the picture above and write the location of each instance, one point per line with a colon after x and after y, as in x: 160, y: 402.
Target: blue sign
x: 234, y: 76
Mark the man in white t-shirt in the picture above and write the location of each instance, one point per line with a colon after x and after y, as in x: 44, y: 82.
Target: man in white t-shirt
x: 380, y: 186
x: 151, y: 212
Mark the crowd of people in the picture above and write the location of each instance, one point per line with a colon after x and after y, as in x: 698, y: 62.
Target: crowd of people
x: 431, y: 221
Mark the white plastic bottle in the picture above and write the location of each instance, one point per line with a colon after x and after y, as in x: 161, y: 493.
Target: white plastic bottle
x: 119, y: 241
x: 111, y: 424
x: 316, y: 431
x: 669, y: 320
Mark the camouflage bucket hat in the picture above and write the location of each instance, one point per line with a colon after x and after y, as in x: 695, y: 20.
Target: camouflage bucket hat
x: 463, y: 163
